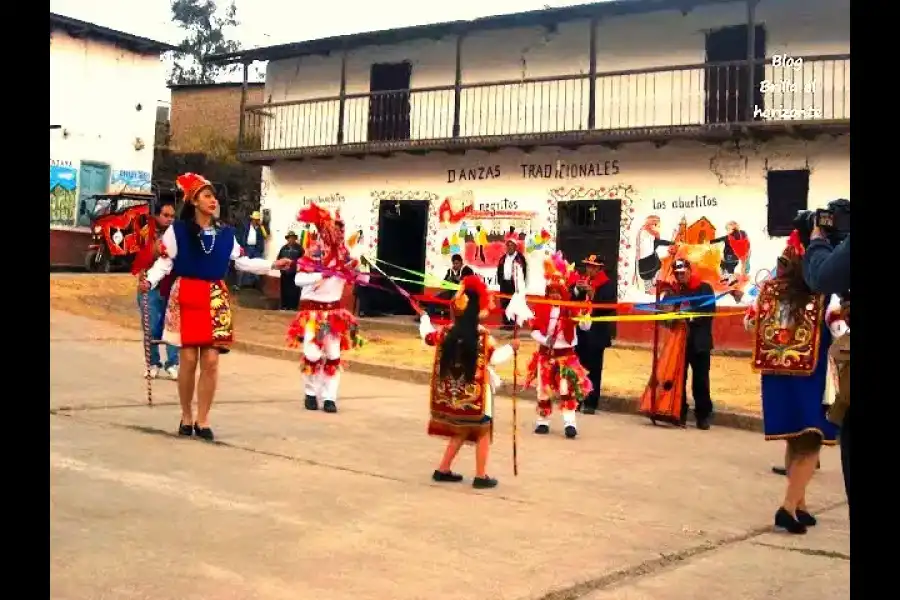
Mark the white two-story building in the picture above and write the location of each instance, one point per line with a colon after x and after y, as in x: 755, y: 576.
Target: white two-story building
x: 104, y: 89
x: 596, y: 129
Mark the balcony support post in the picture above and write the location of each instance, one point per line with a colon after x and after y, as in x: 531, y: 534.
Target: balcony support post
x: 342, y: 103
x: 457, y: 86
x: 242, y: 122
x: 751, y: 56
x: 592, y: 76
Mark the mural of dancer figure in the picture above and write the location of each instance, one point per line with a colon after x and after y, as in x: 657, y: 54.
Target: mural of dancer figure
x: 647, y: 261
x: 736, y: 252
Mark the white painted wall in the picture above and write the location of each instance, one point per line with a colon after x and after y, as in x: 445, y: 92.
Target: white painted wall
x: 95, y: 88
x: 660, y: 39
x: 647, y: 178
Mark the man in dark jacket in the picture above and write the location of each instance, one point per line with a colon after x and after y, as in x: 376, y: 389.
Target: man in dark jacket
x: 698, y: 297
x: 594, y: 337
x: 827, y: 271
x: 290, y: 293
x: 512, y: 271
x: 455, y: 274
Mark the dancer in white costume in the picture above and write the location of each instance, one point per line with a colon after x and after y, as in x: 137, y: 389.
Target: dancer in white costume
x: 323, y: 327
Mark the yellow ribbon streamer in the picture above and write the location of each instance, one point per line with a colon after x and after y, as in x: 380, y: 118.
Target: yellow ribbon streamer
x: 670, y: 316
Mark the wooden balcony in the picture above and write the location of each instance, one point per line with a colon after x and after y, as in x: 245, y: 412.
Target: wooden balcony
x: 702, y: 102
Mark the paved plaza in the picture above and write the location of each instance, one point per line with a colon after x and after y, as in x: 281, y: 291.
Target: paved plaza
x: 293, y: 505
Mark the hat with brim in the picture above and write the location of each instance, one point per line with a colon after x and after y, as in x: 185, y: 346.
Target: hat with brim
x: 290, y: 234
x: 594, y: 260
x: 681, y: 265
x: 255, y: 216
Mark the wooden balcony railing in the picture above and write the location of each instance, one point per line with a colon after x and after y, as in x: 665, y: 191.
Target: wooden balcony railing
x: 692, y: 98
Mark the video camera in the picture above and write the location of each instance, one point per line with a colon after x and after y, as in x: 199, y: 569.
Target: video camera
x: 833, y: 221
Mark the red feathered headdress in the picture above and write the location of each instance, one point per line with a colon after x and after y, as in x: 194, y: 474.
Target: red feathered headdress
x: 473, y: 283
x: 190, y: 184
x: 328, y: 250
x: 559, y: 275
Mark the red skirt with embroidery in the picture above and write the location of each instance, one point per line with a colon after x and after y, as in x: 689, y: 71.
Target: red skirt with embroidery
x: 199, y: 314
x: 552, y: 368
x: 324, y: 320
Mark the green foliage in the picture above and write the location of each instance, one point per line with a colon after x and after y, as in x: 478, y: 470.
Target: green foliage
x: 206, y: 35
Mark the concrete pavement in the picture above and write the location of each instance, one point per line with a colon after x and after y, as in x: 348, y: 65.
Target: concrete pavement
x: 297, y: 505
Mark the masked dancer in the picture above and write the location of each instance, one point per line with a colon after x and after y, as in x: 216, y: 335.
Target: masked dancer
x: 554, y: 367
x: 197, y: 250
x: 792, y: 333
x: 463, y: 380
x: 323, y: 327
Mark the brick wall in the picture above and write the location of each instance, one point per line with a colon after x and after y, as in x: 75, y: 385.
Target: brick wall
x: 200, y: 112
x: 68, y: 247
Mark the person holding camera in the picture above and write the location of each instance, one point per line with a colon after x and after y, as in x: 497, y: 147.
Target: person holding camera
x: 826, y: 269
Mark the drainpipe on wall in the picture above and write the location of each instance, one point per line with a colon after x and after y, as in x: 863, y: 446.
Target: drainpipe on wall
x: 592, y: 73
x: 751, y: 55
x: 241, y: 123
x: 457, y: 86
x: 342, y: 103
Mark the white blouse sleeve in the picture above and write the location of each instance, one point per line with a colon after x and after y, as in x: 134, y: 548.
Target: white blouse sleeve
x: 833, y: 318
x: 166, y: 260
x: 257, y: 266
x: 501, y: 355
x: 303, y: 279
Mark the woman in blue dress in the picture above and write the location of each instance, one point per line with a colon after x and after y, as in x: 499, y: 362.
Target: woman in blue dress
x: 791, y: 339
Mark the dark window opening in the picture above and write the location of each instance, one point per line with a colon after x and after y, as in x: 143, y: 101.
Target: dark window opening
x: 728, y: 86
x: 788, y: 194
x: 389, y: 105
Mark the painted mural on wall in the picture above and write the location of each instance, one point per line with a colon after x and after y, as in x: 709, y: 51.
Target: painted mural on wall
x: 697, y: 229
x: 123, y: 181
x: 286, y: 221
x: 478, y: 231
x: 63, y: 192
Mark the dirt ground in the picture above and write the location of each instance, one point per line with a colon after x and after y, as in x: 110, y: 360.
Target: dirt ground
x: 112, y: 298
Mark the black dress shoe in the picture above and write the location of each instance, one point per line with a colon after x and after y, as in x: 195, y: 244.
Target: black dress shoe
x: 329, y: 406
x: 785, y: 520
x: 779, y: 470
x: 805, y: 518
x: 588, y: 410
x: 185, y: 430
x: 571, y: 431
x: 446, y: 476
x: 311, y: 403
x: 703, y: 424
x: 483, y: 483
x: 204, y: 433
x: 542, y: 429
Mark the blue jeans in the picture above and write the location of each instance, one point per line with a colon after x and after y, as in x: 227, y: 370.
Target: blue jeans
x: 156, y: 304
x: 249, y: 279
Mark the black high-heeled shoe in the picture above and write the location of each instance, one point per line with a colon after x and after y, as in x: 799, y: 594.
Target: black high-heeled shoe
x: 805, y: 518
x: 185, y: 430
x: 785, y: 520
x: 204, y: 433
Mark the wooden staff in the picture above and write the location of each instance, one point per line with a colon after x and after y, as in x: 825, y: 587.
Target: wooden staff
x: 145, y: 316
x: 515, y: 404
x: 515, y: 413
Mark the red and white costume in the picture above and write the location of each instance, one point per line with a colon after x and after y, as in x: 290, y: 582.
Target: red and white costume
x: 554, y: 368
x: 323, y: 327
